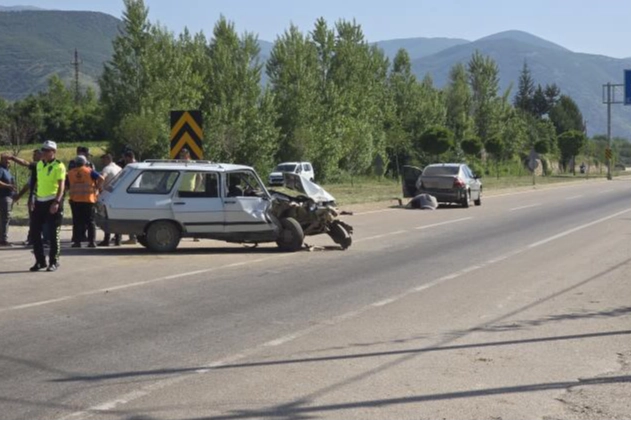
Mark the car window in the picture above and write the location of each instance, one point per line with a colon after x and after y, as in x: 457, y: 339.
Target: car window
x: 307, y: 167
x: 243, y: 183
x: 286, y: 168
x: 199, y: 184
x: 111, y: 185
x: 467, y: 172
x: 446, y: 170
x: 153, y: 182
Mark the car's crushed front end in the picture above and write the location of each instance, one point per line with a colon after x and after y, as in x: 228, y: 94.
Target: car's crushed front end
x: 313, y: 208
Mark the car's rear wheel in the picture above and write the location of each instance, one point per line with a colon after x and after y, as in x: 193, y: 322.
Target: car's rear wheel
x: 340, y: 236
x: 163, y: 236
x: 291, y: 236
x: 467, y: 199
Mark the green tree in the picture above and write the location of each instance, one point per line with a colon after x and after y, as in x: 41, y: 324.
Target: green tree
x: 525, y: 91
x: 571, y: 143
x: 124, y: 82
x: 235, y: 130
x: 495, y: 146
x: 436, y: 141
x: 458, y: 102
x: 566, y: 115
x: 472, y: 146
x: 484, y: 81
x: 140, y: 133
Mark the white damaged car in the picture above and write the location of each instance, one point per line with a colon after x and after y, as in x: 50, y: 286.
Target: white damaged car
x: 162, y: 201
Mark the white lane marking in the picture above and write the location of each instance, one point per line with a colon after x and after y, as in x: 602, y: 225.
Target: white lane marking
x: 524, y: 207
x: 422, y: 227
x: 606, y: 191
x: 580, y: 227
x: 574, y: 197
x: 375, y: 211
x: 144, y: 391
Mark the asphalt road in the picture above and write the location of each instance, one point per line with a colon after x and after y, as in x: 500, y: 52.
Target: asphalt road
x: 515, y: 309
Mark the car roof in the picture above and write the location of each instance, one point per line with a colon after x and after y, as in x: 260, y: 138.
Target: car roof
x: 294, y: 163
x: 175, y: 164
x: 447, y: 164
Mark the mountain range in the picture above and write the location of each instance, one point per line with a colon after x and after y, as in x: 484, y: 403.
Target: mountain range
x: 35, y: 44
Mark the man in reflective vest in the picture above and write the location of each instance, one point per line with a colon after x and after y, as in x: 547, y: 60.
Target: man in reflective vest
x: 48, y: 206
x: 84, y: 184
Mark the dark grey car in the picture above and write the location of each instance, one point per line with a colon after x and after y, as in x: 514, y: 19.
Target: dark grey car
x: 448, y: 183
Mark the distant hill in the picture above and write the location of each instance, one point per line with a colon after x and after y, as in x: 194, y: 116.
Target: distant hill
x: 18, y: 8
x: 579, y: 75
x: 418, y: 47
x: 37, y: 44
x: 34, y: 45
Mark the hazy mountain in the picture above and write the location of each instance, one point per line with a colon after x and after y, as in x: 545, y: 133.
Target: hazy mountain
x: 18, y: 8
x: 37, y: 44
x: 418, y: 47
x: 579, y: 75
x: 34, y: 45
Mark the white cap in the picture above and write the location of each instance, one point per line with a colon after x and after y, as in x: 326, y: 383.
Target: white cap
x: 49, y: 144
x: 81, y: 160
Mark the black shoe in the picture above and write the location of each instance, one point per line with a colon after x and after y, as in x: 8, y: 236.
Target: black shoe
x: 92, y: 245
x: 104, y: 244
x: 76, y: 245
x: 53, y: 267
x: 37, y: 267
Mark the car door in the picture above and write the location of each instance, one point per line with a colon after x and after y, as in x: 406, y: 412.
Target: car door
x: 410, y: 177
x: 197, y: 203
x: 245, y: 203
x: 472, y: 182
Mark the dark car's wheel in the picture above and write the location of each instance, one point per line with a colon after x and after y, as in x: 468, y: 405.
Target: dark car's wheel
x: 163, y: 236
x: 340, y: 236
x: 467, y: 199
x: 291, y: 236
x: 478, y: 201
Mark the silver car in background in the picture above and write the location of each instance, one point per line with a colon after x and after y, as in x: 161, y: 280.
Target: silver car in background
x: 448, y: 183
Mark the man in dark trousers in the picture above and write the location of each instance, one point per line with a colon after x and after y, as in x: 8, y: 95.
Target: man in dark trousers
x: 85, y: 152
x: 7, y: 191
x: 49, y: 194
x: 84, y: 185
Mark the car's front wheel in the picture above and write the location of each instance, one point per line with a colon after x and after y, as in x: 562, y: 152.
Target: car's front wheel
x: 163, y: 236
x: 340, y: 236
x: 291, y: 236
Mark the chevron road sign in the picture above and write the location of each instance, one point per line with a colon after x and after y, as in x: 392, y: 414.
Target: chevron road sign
x: 186, y: 132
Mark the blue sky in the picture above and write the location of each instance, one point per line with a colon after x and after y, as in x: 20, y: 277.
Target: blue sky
x: 589, y: 26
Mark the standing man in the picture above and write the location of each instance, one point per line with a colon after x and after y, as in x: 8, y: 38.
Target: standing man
x: 49, y: 193
x: 85, y: 152
x: 85, y: 184
x: 30, y: 188
x: 129, y: 158
x: 7, y: 191
x: 110, y: 170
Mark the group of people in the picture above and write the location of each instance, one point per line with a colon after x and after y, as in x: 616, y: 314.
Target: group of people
x: 49, y: 182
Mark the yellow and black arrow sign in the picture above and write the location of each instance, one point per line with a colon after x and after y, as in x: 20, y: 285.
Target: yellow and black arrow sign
x: 186, y: 132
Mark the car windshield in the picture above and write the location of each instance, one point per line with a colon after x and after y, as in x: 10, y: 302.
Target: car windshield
x: 447, y: 170
x: 286, y: 168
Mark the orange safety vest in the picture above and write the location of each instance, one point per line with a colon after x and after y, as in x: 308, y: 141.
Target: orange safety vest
x: 82, y: 187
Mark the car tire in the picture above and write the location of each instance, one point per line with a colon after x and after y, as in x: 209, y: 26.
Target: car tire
x: 467, y: 199
x: 163, y: 236
x: 291, y: 236
x: 478, y: 201
x: 340, y: 236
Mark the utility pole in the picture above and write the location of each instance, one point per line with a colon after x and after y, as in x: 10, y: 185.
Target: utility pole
x: 609, y: 97
x: 76, y: 64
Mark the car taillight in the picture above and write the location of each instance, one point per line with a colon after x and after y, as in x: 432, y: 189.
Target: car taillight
x: 458, y: 182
